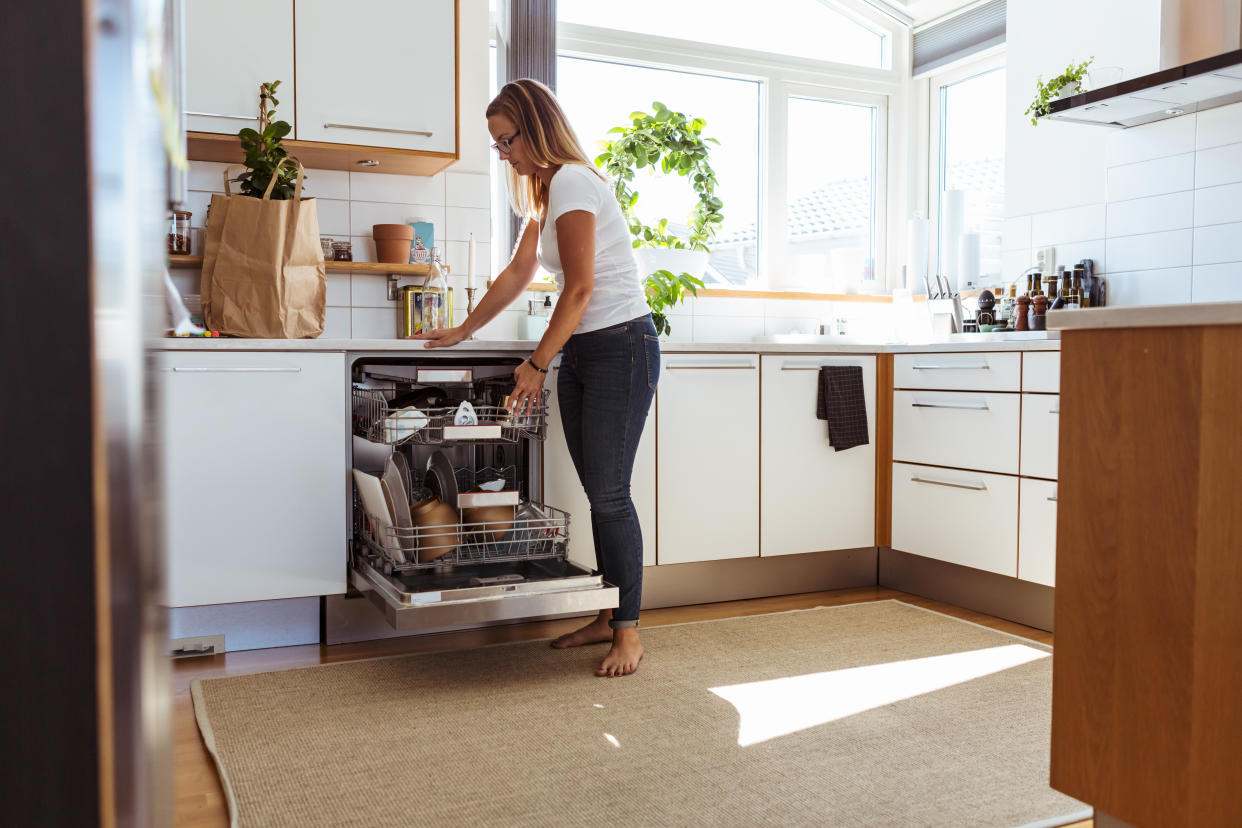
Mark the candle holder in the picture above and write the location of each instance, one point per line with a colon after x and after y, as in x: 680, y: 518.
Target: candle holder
x: 470, y: 303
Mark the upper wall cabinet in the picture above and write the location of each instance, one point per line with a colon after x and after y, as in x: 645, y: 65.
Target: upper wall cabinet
x: 368, y: 85
x: 377, y: 73
x: 233, y: 46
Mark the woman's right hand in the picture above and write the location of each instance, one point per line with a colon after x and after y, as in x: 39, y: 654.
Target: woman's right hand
x: 444, y: 337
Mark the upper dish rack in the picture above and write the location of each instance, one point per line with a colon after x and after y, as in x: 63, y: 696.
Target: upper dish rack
x: 376, y: 421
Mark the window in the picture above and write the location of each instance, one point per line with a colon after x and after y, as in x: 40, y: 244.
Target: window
x: 729, y: 106
x: 820, y: 33
x: 969, y: 157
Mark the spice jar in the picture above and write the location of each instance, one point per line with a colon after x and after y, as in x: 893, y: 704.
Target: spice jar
x: 325, y: 242
x: 342, y: 251
x: 179, y: 232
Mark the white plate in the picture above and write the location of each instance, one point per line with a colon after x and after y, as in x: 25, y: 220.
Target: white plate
x: 373, y: 503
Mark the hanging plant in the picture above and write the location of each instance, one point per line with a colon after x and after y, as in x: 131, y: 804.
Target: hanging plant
x: 1069, y: 81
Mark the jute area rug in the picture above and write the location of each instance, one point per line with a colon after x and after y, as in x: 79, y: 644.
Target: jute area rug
x: 871, y: 714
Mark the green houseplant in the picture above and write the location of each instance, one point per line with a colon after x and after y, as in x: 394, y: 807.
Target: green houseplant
x: 1066, y: 83
x: 672, y: 143
x: 264, y: 151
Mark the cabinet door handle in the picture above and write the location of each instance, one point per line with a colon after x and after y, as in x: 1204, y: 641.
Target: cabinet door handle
x: 422, y: 132
x: 1052, y: 498
x: 218, y: 115
x: 963, y: 406
x: 237, y: 370
x: 976, y: 487
x: 711, y: 367
x: 982, y: 367
x: 796, y: 367
x: 1056, y: 410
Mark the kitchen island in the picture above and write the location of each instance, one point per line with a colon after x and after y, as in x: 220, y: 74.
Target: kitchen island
x: 1147, y: 671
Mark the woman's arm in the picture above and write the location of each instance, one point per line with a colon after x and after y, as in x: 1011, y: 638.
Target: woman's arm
x: 575, y: 232
x: 507, y: 287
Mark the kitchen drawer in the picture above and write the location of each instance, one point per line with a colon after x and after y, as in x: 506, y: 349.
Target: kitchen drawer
x: 961, y: 517
x: 948, y: 428
x: 1041, y: 371
x: 1040, y: 421
x: 958, y: 372
x: 1037, y: 530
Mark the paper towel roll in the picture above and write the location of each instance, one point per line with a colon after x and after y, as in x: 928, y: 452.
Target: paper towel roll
x: 952, y: 216
x: 968, y: 260
x: 916, y: 253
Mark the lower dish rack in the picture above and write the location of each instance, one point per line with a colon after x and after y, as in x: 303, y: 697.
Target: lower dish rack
x: 534, y: 532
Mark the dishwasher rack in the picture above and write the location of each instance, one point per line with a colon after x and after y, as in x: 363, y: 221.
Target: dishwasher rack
x: 375, y: 420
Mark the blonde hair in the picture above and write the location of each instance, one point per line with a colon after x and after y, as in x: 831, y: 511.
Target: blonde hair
x: 550, y: 141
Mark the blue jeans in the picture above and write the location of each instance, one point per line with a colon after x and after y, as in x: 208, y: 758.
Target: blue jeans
x: 606, y: 383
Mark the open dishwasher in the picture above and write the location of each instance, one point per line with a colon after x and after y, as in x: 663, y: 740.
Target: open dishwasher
x: 449, y: 529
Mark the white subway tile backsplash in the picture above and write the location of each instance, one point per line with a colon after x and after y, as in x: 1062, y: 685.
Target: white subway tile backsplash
x: 773, y: 325
x: 1217, y: 283
x: 1097, y: 251
x: 457, y: 257
x: 1016, y: 233
x: 1074, y: 224
x: 468, y: 190
x: 460, y: 222
x: 806, y: 308
x: 1156, y: 140
x: 333, y: 217
x: 1150, y: 287
x: 336, y: 323
x: 703, y: 306
x: 338, y: 289
x: 1013, y: 262
x: 374, y: 323
x: 1215, y: 127
x: 196, y: 202
x: 1149, y: 251
x: 1218, y: 243
x: 727, y: 328
x: 397, y: 189
x: 1219, y: 165
x: 503, y: 328
x: 370, y: 290
x: 365, y: 214
x: 362, y: 247
x: 681, y: 328
x: 326, y: 184
x: 1148, y: 178
x: 1154, y: 214
x: 206, y: 175
x: 1218, y: 205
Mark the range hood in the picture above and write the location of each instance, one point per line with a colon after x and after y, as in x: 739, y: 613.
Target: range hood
x: 1192, y: 87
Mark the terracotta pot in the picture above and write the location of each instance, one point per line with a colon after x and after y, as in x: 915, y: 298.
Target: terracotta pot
x: 392, y: 242
x: 435, y: 512
x: 496, y: 520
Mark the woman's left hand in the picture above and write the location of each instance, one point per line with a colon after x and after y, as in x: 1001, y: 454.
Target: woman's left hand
x: 527, y: 390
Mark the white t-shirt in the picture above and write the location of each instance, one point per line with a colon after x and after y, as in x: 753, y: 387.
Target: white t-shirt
x: 617, y: 295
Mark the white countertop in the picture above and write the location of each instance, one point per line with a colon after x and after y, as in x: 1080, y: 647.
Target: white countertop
x: 1148, y: 316
x: 769, y: 345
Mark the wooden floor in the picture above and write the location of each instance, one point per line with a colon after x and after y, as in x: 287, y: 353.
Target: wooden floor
x: 199, y: 800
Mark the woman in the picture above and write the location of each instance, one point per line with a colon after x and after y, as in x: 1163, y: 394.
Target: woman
x: 602, y: 327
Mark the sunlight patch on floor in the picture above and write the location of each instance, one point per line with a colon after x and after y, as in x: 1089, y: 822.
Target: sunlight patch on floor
x: 778, y: 707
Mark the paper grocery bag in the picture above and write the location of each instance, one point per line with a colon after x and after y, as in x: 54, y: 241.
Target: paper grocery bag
x: 263, y: 270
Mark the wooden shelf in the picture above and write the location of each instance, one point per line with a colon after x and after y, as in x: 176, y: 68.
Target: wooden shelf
x: 355, y: 267
x: 316, y: 155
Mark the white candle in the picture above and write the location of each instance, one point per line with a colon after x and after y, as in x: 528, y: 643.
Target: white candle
x: 470, y: 265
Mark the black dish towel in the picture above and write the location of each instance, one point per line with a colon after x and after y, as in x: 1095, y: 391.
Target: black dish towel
x: 842, y: 404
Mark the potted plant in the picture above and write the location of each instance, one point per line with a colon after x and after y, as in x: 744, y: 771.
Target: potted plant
x: 264, y: 151
x: 673, y: 143
x: 1063, y: 85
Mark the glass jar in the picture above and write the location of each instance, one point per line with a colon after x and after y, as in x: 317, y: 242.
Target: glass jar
x: 179, y: 233
x: 342, y: 251
x: 325, y: 242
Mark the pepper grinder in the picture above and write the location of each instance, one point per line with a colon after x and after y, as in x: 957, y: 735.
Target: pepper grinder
x: 1024, y: 306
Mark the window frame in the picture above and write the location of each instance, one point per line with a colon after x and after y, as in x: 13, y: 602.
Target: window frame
x: 979, y: 64
x: 781, y: 77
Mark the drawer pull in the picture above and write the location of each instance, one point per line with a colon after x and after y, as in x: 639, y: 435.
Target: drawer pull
x: 1052, y: 498
x: 710, y: 367
x: 964, y: 406
x: 237, y: 370
x: 217, y: 115
x: 796, y: 366
x: 982, y: 367
x: 976, y: 487
x: 422, y: 132
x: 1056, y: 410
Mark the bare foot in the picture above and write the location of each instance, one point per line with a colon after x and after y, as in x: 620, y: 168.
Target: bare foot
x: 597, y: 632
x: 623, y: 658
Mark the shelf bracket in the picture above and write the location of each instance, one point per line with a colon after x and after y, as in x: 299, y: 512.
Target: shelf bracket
x: 394, y: 292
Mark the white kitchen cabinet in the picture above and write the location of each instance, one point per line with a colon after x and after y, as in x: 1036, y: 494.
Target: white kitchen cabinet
x: 256, y: 475
x: 563, y: 489
x: 378, y: 73
x: 707, y: 453
x: 1037, y: 531
x: 963, y: 517
x: 813, y: 498
x: 1041, y: 371
x: 969, y: 430
x: 231, y: 47
x: 959, y: 372
x: 1041, y: 414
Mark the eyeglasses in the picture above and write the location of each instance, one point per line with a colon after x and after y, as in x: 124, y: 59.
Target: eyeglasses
x: 505, y: 145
